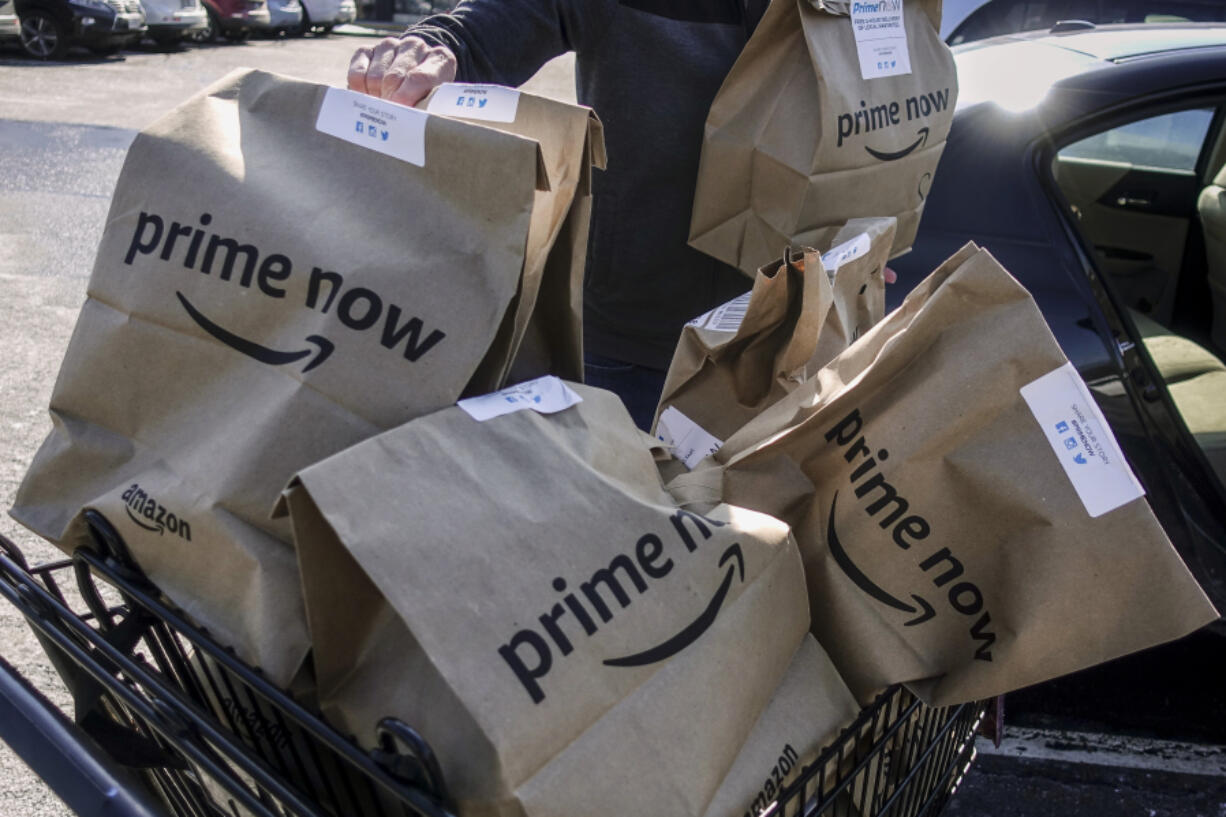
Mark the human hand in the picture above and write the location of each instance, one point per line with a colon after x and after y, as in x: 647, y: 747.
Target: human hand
x: 403, y: 70
x: 890, y: 275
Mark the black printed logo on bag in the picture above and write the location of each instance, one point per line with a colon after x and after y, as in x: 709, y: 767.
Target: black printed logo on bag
x: 883, y: 504
x: 357, y: 308
x: 530, y: 655
x: 890, y: 115
x: 775, y: 781
x: 146, y: 512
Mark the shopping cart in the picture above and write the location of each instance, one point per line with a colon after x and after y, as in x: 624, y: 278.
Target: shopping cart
x: 167, y: 721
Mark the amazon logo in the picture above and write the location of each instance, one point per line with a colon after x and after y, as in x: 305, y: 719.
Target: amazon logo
x: 321, y: 352
x: 151, y: 515
x: 922, y: 610
x: 690, y: 633
x: 898, y: 154
x: 579, y: 613
x: 909, y: 531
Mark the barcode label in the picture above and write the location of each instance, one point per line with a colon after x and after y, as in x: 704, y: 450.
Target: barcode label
x: 725, y: 318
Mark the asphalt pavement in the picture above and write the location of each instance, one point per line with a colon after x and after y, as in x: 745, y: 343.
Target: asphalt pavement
x: 64, y: 130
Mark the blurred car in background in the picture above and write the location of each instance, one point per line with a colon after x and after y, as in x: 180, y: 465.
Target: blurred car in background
x: 10, y: 28
x: 965, y: 21
x: 321, y: 16
x: 285, y: 17
x: 169, y: 21
x: 232, y: 19
x: 48, y: 28
x: 1092, y: 164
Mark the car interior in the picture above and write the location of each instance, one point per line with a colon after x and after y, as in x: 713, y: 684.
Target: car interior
x: 1149, y: 197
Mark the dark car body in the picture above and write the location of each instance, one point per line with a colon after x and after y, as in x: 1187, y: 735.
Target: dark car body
x: 1024, y: 98
x: 998, y: 17
x: 49, y: 27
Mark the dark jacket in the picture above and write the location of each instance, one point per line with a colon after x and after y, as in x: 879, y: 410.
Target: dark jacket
x: 650, y: 69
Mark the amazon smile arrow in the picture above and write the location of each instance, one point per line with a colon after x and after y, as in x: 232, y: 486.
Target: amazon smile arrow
x: 254, y: 350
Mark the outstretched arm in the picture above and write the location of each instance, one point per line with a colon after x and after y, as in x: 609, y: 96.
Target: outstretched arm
x: 498, y: 41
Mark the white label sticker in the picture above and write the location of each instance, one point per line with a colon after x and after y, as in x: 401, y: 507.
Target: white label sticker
x: 387, y: 127
x: 493, y: 103
x: 689, y: 441
x: 725, y: 318
x: 1083, y: 442
x: 846, y: 252
x: 545, y: 395
x: 881, y: 38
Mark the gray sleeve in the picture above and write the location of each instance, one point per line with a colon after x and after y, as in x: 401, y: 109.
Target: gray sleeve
x: 507, y: 41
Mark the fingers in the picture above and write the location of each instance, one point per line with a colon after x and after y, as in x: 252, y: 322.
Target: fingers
x: 358, y: 65
x: 890, y: 275
x: 437, y: 67
x: 402, y: 70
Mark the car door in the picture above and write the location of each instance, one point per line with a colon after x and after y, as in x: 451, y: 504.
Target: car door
x: 1132, y: 190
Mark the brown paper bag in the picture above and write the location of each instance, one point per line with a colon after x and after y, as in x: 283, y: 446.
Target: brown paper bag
x: 743, y: 356
x: 266, y: 293
x: 542, y: 332
x: 526, y: 595
x: 820, y: 121
x: 968, y: 522
x: 806, y: 713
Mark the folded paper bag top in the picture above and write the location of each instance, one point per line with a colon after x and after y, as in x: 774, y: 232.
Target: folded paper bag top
x: 968, y: 522
x: 524, y: 593
x: 737, y: 359
x: 542, y: 332
x: 232, y: 335
x: 832, y: 111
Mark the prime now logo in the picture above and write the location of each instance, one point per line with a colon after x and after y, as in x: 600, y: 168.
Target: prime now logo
x: 581, y: 612
x: 907, y: 529
x: 880, y: 7
x: 886, y: 115
x: 191, y: 247
x: 152, y: 515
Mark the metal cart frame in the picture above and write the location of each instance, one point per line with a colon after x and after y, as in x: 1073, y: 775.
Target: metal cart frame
x: 168, y: 721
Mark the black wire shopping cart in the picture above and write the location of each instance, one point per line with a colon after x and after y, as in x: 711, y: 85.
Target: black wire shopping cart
x: 167, y: 721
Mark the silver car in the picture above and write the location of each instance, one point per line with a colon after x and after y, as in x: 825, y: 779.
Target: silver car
x: 285, y: 16
x: 170, y: 20
x: 9, y: 25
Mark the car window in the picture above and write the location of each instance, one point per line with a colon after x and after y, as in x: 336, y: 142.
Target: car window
x: 1171, y: 141
x: 994, y: 18
x: 1162, y: 11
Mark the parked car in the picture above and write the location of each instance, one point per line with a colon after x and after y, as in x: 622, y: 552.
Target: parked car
x: 10, y: 28
x: 285, y: 17
x: 170, y: 21
x: 1092, y: 164
x: 233, y: 19
x: 48, y: 28
x: 982, y: 20
x: 321, y: 16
